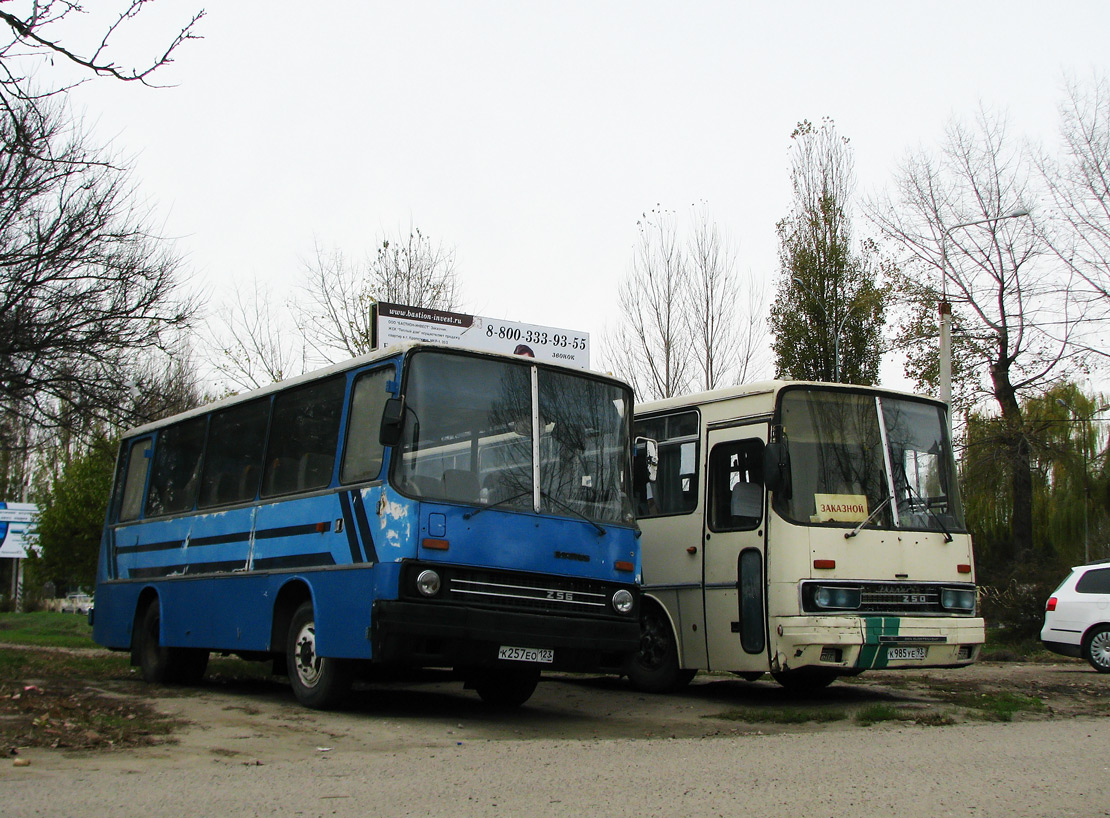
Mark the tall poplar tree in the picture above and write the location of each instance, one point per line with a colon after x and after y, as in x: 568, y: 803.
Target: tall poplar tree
x: 828, y: 315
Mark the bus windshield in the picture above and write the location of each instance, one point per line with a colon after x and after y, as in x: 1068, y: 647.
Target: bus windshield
x: 877, y: 460
x: 476, y: 427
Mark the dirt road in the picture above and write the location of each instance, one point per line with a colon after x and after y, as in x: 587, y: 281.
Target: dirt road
x: 902, y: 743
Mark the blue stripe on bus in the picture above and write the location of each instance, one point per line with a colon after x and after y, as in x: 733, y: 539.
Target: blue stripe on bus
x: 364, y: 527
x: 224, y: 539
x: 349, y: 525
x: 268, y: 564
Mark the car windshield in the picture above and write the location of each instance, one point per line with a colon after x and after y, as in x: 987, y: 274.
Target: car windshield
x: 475, y: 427
x: 861, y: 458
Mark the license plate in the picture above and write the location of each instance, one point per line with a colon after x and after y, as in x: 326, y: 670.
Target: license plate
x: 540, y: 655
x: 905, y: 653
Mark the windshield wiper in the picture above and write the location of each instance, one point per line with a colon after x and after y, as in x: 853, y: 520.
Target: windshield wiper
x: 929, y: 511
x: 575, y: 512
x: 870, y: 517
x: 501, y: 502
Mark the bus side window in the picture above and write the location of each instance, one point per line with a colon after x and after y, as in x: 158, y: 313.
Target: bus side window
x: 675, y: 490
x: 363, y: 454
x: 304, y: 432
x: 736, y: 485
x: 135, y: 481
x: 234, y: 452
x: 176, y: 468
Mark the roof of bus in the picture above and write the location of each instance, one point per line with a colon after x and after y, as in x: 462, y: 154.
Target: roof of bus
x: 758, y: 388
x: 354, y: 363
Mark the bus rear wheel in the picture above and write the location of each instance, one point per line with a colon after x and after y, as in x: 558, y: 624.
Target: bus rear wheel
x: 161, y: 664
x: 654, y: 667
x: 319, y: 682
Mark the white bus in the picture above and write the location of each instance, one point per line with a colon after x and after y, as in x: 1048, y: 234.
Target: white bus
x: 809, y: 530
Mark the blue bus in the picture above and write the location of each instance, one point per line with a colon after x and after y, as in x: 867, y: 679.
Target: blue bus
x: 418, y: 507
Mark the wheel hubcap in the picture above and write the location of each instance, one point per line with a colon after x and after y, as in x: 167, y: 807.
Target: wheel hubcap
x: 305, y: 658
x: 1100, y: 649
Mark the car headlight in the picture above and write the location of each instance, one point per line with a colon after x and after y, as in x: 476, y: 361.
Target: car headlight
x: 835, y: 597
x: 957, y: 599
x: 623, y: 601
x: 428, y: 582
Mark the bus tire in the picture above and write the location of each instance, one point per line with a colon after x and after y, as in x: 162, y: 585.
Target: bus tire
x: 654, y: 667
x: 191, y: 663
x: 805, y: 679
x: 319, y: 682
x: 506, y: 687
x: 160, y: 664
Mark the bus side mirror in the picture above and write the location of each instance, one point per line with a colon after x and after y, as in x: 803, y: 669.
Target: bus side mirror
x: 393, y: 421
x: 645, y: 463
x: 776, y: 468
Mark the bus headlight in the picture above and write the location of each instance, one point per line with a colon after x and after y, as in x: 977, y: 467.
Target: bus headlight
x: 835, y: 597
x: 623, y: 601
x: 957, y: 599
x: 427, y: 582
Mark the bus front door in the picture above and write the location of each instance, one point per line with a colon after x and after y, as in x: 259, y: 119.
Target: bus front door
x: 733, y: 551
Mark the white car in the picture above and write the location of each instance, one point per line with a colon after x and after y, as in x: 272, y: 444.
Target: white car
x: 1077, y: 616
x: 77, y: 603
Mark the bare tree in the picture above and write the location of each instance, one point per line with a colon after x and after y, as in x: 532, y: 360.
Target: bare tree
x: 714, y: 294
x: 1011, y: 309
x: 1079, y: 185
x: 253, y: 342
x: 651, y: 346
x: 86, y: 288
x: 685, y: 321
x: 39, y: 27
x: 340, y: 294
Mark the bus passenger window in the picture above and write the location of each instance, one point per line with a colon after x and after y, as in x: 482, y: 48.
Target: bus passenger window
x: 235, y: 440
x: 304, y: 433
x: 175, y: 475
x: 133, y: 484
x: 736, y: 485
x: 675, y: 490
x: 362, y: 458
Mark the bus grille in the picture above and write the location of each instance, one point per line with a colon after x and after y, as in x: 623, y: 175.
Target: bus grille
x: 888, y: 598
x: 519, y: 591
x: 902, y: 598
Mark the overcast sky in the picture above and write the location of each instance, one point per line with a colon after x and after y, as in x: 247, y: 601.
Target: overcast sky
x: 531, y: 136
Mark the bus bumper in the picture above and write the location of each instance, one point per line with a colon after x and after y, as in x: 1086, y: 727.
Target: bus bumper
x: 457, y: 636
x: 854, y: 644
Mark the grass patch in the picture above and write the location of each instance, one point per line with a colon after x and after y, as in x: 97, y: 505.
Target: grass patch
x: 51, y: 698
x: 1001, y: 647
x: 998, y: 706
x: 876, y: 713
x: 46, y: 628
x: 792, y: 716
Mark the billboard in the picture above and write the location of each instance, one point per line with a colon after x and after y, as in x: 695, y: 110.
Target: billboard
x: 396, y: 324
x: 16, y: 521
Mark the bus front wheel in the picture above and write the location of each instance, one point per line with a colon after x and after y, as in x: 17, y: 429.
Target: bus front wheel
x: 805, y: 679
x: 654, y: 667
x: 318, y: 682
x: 505, y: 686
x: 161, y: 664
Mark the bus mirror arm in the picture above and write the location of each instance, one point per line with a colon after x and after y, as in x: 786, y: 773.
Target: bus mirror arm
x: 776, y: 468
x: 393, y: 421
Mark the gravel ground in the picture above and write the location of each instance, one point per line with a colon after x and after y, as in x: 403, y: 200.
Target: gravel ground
x: 587, y: 745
